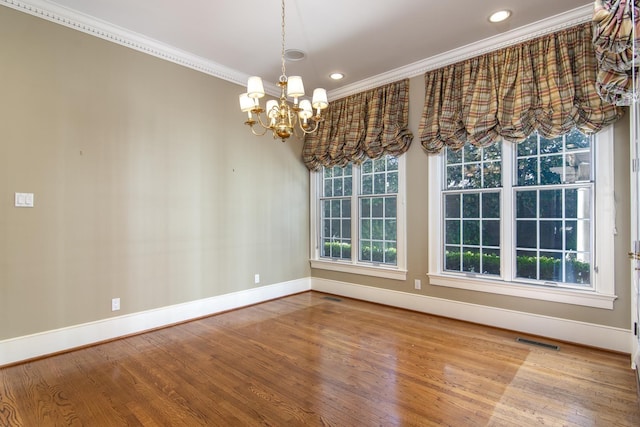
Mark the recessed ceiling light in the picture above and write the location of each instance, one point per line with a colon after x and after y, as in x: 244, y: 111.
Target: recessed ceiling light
x: 500, y: 16
x: 337, y: 76
x: 294, y: 55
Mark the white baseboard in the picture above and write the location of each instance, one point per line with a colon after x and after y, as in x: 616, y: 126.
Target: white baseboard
x: 41, y: 344
x: 600, y: 336
x: 28, y: 347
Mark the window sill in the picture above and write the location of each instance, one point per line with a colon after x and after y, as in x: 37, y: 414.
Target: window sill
x: 367, y: 270
x: 587, y: 298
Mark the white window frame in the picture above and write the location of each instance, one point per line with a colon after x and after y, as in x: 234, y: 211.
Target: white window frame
x: 398, y: 271
x: 602, y: 292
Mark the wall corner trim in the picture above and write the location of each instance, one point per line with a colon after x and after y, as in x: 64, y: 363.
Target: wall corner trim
x: 589, y: 334
x: 15, y: 350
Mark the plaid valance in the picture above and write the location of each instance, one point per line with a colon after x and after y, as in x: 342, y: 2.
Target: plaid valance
x: 545, y: 84
x: 613, y: 40
x: 365, y: 125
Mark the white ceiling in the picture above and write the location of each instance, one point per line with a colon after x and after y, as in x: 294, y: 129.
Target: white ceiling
x: 361, y: 38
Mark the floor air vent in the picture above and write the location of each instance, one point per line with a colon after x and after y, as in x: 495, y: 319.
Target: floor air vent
x: 333, y: 299
x: 538, y: 343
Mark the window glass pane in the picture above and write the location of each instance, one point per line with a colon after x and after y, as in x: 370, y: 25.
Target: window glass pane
x: 337, y: 187
x: 365, y: 208
x: 583, y: 238
x: 390, y: 230
x: 348, y: 186
x: 365, y: 229
x: 570, y: 235
x: 471, y: 232
x: 390, y: 207
x: 452, y: 206
x: 491, y: 233
x: 335, y: 208
x: 379, y: 184
x: 346, y: 228
x: 377, y: 205
x: 454, y: 177
x: 528, y: 147
x: 471, y: 153
x: 392, y: 163
x: 472, y: 176
x: 550, y: 146
x: 526, y: 264
x: 326, y: 208
x: 328, y: 188
x: 471, y: 260
x: 492, y: 175
x: 551, y: 234
x: 453, y: 261
x: 526, y: 204
x: 390, y: 253
x: 392, y: 182
x: 377, y: 252
x: 491, y: 261
x: 551, y: 204
x: 346, y: 208
x: 453, y: 157
x: 551, y: 266
x: 335, y: 228
x: 492, y: 152
x: 576, y: 141
x: 346, y: 251
x: 550, y: 170
x: 377, y: 229
x: 527, y: 171
x: 452, y: 232
x: 367, y: 166
x: 577, y: 270
x: 491, y: 205
x: 471, y: 205
x: 367, y: 184
x: 526, y: 234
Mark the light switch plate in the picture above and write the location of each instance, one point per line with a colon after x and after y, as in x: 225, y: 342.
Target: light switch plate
x: 24, y: 200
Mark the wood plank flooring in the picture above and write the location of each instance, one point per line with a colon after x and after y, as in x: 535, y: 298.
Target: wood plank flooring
x: 314, y: 360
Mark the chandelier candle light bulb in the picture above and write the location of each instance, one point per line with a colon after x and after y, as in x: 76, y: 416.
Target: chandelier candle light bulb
x: 281, y: 117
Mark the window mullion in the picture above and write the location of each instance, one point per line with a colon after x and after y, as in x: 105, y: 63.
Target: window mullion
x: 355, y: 213
x: 507, y: 212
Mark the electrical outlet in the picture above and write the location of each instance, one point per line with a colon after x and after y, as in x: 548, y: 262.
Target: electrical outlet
x: 256, y: 279
x: 115, y: 304
x: 417, y: 284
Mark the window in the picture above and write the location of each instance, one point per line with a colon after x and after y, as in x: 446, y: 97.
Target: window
x: 521, y: 219
x: 359, y: 215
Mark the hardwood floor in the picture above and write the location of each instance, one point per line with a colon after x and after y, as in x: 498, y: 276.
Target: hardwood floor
x: 314, y: 360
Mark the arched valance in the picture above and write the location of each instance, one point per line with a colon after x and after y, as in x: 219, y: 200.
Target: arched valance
x: 365, y: 125
x: 545, y: 84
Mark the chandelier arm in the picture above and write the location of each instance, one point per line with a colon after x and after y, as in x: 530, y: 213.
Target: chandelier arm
x: 261, y: 122
x: 253, y: 131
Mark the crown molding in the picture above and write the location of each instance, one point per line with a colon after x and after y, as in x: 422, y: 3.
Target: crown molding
x: 87, y: 24
x: 546, y: 26
x: 106, y: 31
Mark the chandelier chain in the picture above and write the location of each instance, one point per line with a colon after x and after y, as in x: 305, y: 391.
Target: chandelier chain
x: 283, y: 68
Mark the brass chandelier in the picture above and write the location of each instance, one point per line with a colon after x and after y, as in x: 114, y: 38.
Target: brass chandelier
x: 282, y: 117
